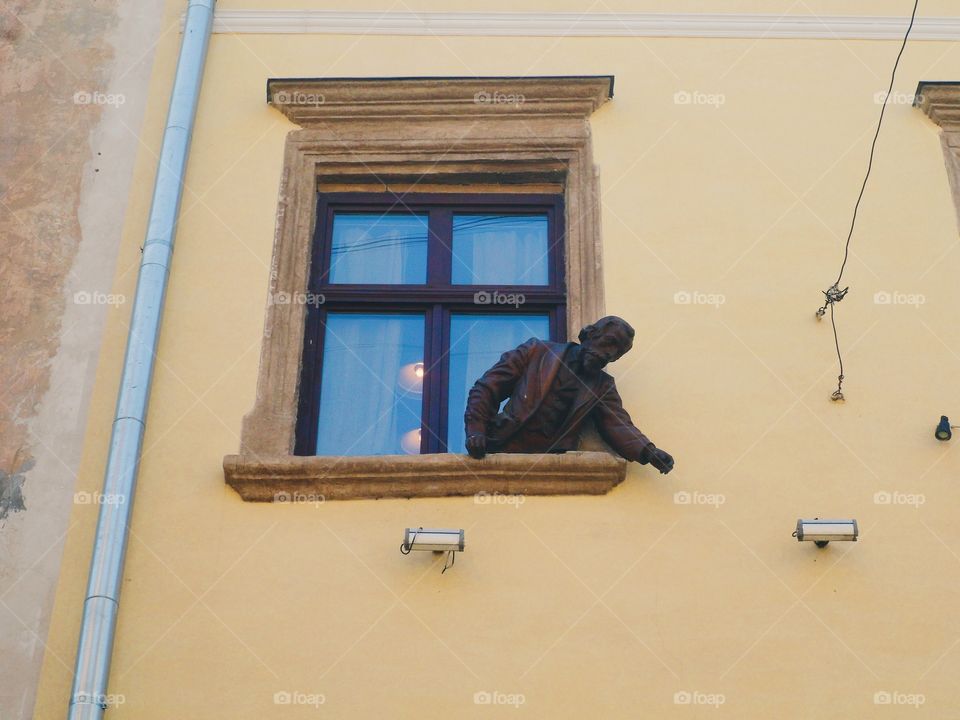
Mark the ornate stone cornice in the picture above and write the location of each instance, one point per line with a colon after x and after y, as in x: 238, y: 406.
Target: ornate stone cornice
x: 941, y: 102
x: 310, y: 101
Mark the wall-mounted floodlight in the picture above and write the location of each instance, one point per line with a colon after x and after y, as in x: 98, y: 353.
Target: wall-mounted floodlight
x: 944, y: 431
x: 438, y: 541
x: 820, y: 532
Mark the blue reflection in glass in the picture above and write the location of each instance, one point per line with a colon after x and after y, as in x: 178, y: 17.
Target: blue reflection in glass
x: 500, y: 250
x: 476, y: 343
x: 379, y: 249
x: 370, y: 402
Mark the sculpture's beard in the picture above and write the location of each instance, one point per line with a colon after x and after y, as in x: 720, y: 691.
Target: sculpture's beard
x: 591, y: 362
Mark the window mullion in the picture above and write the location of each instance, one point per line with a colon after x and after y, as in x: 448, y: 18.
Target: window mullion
x: 439, y: 243
x: 432, y: 437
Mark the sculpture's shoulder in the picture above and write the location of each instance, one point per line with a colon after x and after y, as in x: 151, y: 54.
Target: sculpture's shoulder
x: 536, y: 346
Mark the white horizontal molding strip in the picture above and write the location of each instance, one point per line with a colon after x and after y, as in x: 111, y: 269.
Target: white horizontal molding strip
x: 731, y: 25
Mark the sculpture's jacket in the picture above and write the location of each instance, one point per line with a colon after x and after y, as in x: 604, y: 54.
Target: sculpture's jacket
x: 525, y: 375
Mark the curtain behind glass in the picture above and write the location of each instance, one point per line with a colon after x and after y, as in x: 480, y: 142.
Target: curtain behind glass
x: 368, y: 406
x: 500, y: 250
x: 379, y: 249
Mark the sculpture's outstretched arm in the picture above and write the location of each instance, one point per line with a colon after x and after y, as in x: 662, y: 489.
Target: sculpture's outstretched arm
x: 616, y: 427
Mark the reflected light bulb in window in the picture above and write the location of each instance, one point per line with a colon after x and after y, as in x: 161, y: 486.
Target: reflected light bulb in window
x: 411, y: 377
x: 410, y: 442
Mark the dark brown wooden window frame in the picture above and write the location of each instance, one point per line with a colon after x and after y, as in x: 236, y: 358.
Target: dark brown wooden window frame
x: 437, y: 299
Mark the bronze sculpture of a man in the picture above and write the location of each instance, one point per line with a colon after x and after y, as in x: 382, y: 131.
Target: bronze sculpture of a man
x: 553, y: 389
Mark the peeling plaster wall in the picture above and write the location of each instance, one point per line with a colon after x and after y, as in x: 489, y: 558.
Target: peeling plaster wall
x: 73, y: 86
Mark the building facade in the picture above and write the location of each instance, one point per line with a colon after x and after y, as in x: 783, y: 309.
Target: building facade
x: 379, y: 202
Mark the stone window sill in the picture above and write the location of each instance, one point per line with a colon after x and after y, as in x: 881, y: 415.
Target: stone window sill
x: 291, y: 478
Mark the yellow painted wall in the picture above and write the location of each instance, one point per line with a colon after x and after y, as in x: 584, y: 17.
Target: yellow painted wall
x: 603, y: 606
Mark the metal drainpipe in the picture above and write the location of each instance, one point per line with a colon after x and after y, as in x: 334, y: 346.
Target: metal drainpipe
x: 95, y: 645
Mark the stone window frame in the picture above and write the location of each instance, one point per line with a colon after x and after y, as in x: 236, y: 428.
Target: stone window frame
x: 940, y: 101
x: 404, y: 131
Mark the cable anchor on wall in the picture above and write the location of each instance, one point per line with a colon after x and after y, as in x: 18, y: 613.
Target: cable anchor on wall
x: 831, y: 295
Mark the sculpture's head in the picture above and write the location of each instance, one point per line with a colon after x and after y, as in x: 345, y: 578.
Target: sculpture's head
x: 605, y: 341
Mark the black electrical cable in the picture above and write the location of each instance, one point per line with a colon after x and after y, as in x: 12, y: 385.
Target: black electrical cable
x: 834, y: 294
x: 409, y: 547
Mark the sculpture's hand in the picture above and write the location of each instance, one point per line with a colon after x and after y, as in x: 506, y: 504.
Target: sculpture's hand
x: 477, y: 446
x: 661, y: 460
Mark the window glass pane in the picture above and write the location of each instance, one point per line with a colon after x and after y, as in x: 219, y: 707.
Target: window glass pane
x: 476, y: 343
x: 371, y: 388
x: 500, y: 250
x: 379, y: 249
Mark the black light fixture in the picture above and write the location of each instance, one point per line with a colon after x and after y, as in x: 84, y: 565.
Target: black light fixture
x: 944, y: 431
